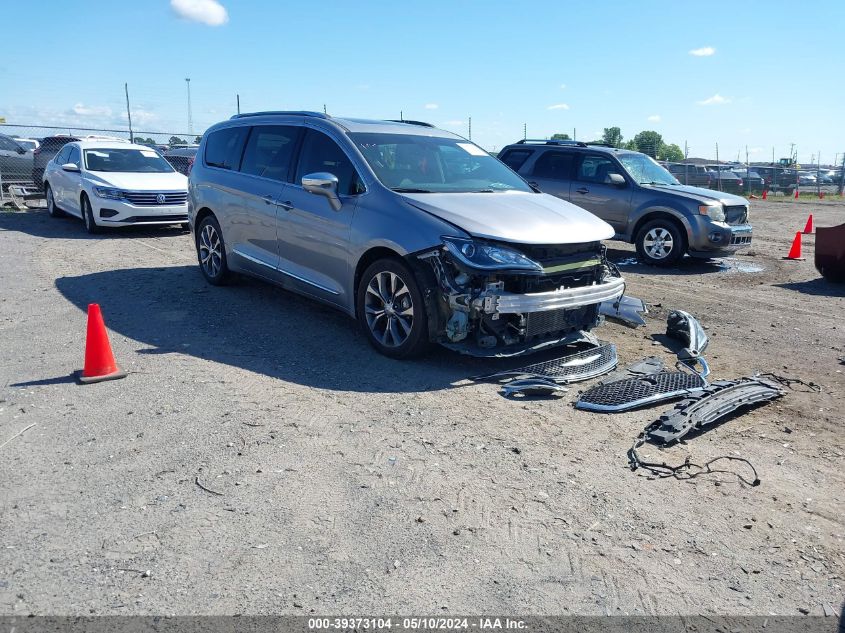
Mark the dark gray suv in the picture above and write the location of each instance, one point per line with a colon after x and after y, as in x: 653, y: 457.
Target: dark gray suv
x: 644, y: 203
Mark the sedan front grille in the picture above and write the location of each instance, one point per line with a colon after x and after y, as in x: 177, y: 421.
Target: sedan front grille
x: 151, y: 198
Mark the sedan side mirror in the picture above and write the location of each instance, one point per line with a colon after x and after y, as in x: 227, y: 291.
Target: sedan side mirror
x: 70, y: 167
x: 323, y: 184
x: 21, y: 150
x: 617, y: 180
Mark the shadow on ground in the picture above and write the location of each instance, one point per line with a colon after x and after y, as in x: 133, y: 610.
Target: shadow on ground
x: 38, y: 223
x: 819, y: 286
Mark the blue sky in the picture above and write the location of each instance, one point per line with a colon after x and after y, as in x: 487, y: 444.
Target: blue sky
x: 774, y: 76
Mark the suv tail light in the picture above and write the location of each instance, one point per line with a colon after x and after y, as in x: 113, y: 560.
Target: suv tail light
x: 190, y: 163
x: 740, y: 182
x: 37, y: 150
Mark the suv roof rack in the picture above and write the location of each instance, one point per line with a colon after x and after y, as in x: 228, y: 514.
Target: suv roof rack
x: 318, y: 115
x: 411, y: 122
x: 546, y: 141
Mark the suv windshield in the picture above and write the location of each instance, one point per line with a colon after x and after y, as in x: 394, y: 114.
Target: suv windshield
x: 422, y: 164
x: 126, y: 160
x: 645, y: 170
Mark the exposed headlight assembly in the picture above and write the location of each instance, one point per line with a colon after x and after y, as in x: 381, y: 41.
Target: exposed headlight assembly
x: 488, y: 256
x: 715, y: 211
x: 108, y: 192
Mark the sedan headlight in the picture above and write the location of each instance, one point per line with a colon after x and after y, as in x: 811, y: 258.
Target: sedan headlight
x: 714, y: 211
x: 488, y: 256
x: 108, y: 192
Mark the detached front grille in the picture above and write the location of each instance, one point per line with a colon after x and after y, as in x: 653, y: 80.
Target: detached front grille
x: 151, y: 198
x: 736, y: 214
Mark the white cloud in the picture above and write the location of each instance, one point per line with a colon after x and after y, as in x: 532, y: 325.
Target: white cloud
x: 454, y: 123
x: 98, y: 111
x: 716, y: 99
x: 654, y: 118
x: 562, y: 86
x: 705, y: 51
x: 209, y: 12
x: 140, y: 116
x: 431, y: 106
x: 558, y: 106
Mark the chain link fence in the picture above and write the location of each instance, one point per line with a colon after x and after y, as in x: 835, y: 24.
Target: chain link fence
x: 26, y: 149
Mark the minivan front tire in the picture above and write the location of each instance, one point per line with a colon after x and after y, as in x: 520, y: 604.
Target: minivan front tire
x: 660, y: 243
x: 391, y: 310
x: 211, y: 252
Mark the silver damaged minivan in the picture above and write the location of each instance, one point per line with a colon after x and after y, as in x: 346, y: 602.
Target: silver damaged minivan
x: 417, y: 233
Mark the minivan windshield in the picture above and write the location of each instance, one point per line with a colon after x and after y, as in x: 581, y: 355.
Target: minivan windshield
x: 409, y: 163
x: 126, y: 160
x: 646, y: 171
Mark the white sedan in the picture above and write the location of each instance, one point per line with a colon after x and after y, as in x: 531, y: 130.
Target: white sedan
x: 115, y: 184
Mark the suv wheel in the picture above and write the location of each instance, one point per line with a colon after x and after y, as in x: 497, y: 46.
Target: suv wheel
x: 660, y: 243
x: 211, y: 251
x: 391, y: 310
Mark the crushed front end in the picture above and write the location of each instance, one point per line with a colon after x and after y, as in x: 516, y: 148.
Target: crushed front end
x: 501, y: 299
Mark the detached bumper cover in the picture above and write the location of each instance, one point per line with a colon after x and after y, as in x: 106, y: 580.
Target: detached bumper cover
x: 511, y: 303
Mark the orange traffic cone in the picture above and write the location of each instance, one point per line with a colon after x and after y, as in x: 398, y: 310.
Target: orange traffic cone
x: 808, y: 228
x: 99, y: 360
x: 796, y: 193
x: 795, y: 251
x: 765, y: 194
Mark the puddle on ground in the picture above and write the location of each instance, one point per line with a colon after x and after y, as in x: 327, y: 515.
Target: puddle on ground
x: 731, y: 265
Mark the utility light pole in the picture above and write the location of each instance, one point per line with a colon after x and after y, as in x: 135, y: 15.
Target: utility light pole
x: 128, y: 113
x: 190, y: 116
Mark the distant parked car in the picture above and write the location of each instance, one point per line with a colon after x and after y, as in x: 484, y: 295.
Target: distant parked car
x: 115, y: 184
x: 182, y: 157
x: 28, y: 143
x: 753, y: 181
x: 643, y: 202
x: 15, y: 161
x: 724, y: 179
x: 50, y: 146
x: 807, y: 178
x: 687, y: 174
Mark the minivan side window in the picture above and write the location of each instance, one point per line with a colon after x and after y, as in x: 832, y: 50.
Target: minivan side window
x: 224, y: 147
x: 516, y: 158
x: 554, y: 165
x: 321, y: 154
x: 269, y: 151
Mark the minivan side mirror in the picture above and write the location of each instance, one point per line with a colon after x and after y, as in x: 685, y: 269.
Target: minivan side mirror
x: 323, y: 184
x: 21, y: 149
x: 70, y: 167
x: 617, y: 180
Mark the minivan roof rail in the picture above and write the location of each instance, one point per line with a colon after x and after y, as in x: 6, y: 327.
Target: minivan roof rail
x: 318, y: 115
x: 410, y: 122
x: 547, y: 141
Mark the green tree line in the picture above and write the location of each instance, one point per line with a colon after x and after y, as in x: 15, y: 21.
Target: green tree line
x: 648, y: 142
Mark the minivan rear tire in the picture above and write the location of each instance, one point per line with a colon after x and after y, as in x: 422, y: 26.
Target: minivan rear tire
x: 391, y: 310
x: 211, y: 252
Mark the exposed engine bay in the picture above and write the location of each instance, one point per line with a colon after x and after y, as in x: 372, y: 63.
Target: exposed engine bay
x: 549, y: 297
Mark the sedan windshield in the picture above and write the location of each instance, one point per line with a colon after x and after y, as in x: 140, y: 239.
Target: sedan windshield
x: 645, y: 170
x: 126, y: 160
x: 409, y: 163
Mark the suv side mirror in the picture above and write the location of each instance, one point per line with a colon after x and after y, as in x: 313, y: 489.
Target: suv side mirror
x: 70, y: 167
x: 617, y: 180
x: 323, y: 184
x: 21, y: 149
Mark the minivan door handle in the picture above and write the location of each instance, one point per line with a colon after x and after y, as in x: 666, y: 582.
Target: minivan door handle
x: 268, y: 199
x: 287, y: 205
x: 582, y: 190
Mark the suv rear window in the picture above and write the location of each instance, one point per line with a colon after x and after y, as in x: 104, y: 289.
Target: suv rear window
x: 224, y: 147
x: 516, y: 158
x: 55, y: 143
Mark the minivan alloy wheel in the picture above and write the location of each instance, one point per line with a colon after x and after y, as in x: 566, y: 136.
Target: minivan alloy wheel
x: 389, y: 309
x: 658, y: 243
x: 211, y: 250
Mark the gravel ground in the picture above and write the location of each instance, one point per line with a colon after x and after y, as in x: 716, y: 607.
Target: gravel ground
x: 261, y: 458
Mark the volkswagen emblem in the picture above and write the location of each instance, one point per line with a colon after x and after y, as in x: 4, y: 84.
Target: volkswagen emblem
x: 160, y: 198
